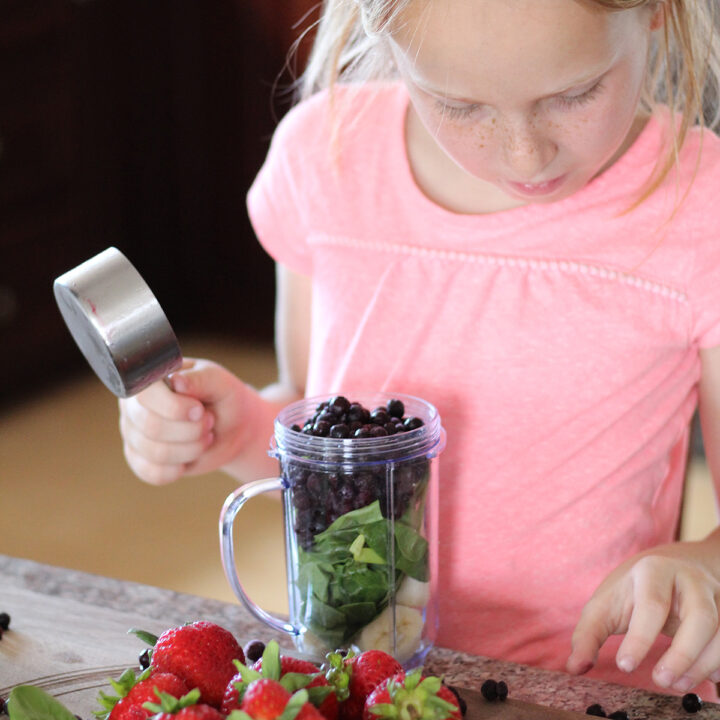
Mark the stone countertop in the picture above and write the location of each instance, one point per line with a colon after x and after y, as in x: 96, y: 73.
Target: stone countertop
x: 38, y: 589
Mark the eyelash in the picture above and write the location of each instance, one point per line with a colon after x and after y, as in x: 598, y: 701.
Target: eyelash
x: 578, y: 100
x: 455, y: 112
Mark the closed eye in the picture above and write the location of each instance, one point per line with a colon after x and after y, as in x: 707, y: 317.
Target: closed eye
x: 454, y: 112
x: 572, y: 101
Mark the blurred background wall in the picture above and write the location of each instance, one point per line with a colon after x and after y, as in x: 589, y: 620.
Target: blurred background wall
x: 139, y: 124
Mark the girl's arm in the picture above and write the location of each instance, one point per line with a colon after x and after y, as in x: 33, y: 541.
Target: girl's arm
x: 672, y: 589
x: 213, y: 419
x: 292, y: 346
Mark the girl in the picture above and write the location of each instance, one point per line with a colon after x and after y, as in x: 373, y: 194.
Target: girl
x: 507, y: 207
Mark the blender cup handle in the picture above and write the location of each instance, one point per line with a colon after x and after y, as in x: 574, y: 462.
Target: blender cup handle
x: 232, y: 505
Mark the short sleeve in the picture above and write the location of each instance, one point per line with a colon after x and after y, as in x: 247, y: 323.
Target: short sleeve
x: 280, y: 199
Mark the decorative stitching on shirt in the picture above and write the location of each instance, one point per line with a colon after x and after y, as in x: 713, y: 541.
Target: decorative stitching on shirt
x: 569, y: 266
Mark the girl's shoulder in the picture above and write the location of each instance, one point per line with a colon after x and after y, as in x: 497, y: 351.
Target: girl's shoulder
x: 698, y: 160
x: 344, y: 112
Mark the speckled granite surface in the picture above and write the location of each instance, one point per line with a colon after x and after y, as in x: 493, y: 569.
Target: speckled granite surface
x: 168, y: 608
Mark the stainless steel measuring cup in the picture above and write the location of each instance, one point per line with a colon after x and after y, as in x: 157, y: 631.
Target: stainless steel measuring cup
x: 117, y: 323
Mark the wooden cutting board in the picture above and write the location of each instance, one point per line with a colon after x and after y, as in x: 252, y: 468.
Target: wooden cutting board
x: 71, y: 649
x: 478, y: 708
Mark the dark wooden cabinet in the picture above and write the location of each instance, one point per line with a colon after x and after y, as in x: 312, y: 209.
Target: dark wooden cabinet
x: 141, y: 125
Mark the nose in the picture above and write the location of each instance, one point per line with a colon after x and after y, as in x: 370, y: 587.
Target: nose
x: 528, y: 150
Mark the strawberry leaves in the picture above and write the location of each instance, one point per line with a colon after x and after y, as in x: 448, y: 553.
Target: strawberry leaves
x: 413, y: 697
x: 170, y: 704
x: 122, y: 686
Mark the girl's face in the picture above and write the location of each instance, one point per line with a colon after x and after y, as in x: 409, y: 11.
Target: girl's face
x: 535, y: 97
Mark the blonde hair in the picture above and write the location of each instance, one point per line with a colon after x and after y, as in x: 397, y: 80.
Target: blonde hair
x: 684, y: 71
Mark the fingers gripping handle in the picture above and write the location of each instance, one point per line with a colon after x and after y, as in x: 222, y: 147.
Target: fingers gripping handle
x: 227, y: 519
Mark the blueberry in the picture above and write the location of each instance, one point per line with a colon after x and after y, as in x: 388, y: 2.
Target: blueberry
x: 412, y: 423
x: 691, y: 702
x: 321, y: 428
x: 314, y: 484
x: 4, y: 621
x: 295, y: 427
x: 395, y: 408
x: 378, y: 431
x: 144, y: 658
x: 489, y: 690
x: 379, y: 416
x: 502, y: 690
x: 339, y: 404
x: 362, y: 432
x: 618, y: 715
x: 253, y: 650
x: 301, y: 499
x: 355, y: 413
x: 596, y: 710
x: 341, y: 430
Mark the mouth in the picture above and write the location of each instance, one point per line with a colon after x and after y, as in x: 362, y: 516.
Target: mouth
x: 537, y: 189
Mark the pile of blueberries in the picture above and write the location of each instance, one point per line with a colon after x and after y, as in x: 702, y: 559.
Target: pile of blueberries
x: 320, y: 497
x: 340, y: 418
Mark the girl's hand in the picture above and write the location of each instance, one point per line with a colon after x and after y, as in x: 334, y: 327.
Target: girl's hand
x: 197, y: 426
x: 672, y: 589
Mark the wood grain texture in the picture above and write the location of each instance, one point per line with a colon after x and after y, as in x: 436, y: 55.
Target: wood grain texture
x: 70, y: 649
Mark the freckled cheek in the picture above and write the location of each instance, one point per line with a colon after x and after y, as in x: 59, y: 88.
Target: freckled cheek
x: 594, y: 134
x: 470, y: 145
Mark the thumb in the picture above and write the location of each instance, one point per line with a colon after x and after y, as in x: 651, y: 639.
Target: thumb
x: 203, y: 380
x: 587, y: 639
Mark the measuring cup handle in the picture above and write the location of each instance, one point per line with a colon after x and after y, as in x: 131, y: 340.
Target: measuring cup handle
x: 227, y: 518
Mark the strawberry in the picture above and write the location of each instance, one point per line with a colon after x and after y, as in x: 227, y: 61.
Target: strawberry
x: 186, y: 707
x: 202, y: 654
x: 328, y: 706
x: 128, y: 711
x: 356, y: 676
x: 292, y: 673
x: 264, y: 699
x: 267, y: 699
x: 144, y: 691
x: 201, y: 711
x: 412, y: 696
x: 289, y: 664
x: 133, y: 691
x: 309, y: 712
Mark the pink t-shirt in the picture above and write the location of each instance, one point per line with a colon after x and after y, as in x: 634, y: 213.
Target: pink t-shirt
x: 559, y: 343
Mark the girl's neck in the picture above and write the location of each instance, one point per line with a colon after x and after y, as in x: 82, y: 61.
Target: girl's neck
x: 448, y: 185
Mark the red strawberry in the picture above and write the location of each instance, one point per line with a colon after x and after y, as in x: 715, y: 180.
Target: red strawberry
x: 187, y: 707
x: 202, y: 655
x: 201, y: 711
x: 366, y: 671
x: 309, y: 712
x: 231, y: 698
x: 329, y: 706
x: 130, y: 707
x: 128, y: 711
x: 264, y: 699
x: 290, y: 664
x: 412, y: 695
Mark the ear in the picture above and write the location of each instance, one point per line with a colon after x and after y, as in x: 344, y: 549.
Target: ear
x: 657, y: 19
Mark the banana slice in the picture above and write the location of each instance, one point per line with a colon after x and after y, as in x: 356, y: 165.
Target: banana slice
x: 377, y: 635
x: 413, y: 593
